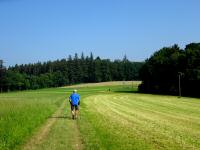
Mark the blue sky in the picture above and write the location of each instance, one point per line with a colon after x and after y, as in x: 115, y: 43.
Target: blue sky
x: 41, y: 30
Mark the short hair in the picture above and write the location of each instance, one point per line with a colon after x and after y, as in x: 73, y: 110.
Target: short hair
x: 74, y: 91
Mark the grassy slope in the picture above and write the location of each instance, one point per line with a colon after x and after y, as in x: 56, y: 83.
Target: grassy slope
x: 141, y: 121
x: 109, y: 120
x: 22, y: 112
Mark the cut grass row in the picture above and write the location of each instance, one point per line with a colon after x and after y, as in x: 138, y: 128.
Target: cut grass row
x: 142, y: 121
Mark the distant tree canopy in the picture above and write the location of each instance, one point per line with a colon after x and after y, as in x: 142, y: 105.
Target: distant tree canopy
x: 160, y: 72
x: 68, y: 71
x: 2, y: 75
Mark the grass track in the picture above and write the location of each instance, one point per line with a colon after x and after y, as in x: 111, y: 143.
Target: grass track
x: 59, y: 132
x: 22, y: 112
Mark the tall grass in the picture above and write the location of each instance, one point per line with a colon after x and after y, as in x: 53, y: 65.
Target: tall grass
x: 22, y: 112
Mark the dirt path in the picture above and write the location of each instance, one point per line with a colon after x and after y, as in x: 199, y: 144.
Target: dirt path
x: 59, y: 132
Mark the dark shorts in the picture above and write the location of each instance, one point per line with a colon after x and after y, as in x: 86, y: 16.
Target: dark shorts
x: 76, y: 107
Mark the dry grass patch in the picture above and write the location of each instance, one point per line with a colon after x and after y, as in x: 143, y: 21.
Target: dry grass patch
x: 112, y: 83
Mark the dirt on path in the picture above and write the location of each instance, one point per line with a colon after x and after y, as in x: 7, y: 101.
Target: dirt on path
x: 59, y: 132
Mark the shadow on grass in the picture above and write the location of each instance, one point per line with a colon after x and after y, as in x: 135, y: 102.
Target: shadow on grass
x: 157, y: 94
x: 126, y: 91
x: 61, y: 117
x: 136, y: 91
x: 152, y: 93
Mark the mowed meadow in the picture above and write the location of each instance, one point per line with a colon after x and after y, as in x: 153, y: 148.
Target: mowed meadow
x: 112, y: 116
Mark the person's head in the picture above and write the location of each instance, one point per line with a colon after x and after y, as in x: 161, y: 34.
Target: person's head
x: 74, y: 91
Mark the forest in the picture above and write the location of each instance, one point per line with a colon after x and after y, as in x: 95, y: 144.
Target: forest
x: 167, y: 71
x: 72, y: 70
x: 172, y: 68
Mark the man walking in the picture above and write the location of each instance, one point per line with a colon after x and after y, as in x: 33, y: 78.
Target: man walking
x: 74, y: 100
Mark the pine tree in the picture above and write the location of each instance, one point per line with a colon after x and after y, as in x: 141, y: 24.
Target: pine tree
x: 77, y: 68
x: 98, y: 70
x: 83, y: 69
x: 1, y: 75
x: 70, y: 65
x: 105, y: 69
x: 91, y: 69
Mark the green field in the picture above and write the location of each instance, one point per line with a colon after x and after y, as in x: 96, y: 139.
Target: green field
x: 117, y: 119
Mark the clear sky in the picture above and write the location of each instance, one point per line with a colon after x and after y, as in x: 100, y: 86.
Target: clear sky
x: 41, y: 30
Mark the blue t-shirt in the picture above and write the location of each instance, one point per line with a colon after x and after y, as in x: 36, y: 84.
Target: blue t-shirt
x: 74, y: 98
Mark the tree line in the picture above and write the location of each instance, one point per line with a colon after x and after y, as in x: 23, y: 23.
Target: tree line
x: 68, y: 71
x: 172, y: 69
